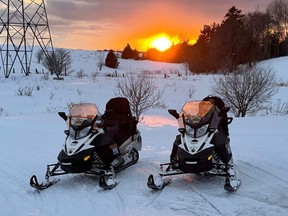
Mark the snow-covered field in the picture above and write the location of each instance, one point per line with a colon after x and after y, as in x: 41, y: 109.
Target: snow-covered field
x: 31, y: 136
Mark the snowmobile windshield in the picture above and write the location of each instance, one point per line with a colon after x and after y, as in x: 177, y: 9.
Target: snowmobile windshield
x: 82, y: 118
x: 196, y: 109
x: 195, y: 116
x: 195, y: 112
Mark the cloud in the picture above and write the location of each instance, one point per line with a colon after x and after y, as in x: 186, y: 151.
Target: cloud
x: 127, y: 19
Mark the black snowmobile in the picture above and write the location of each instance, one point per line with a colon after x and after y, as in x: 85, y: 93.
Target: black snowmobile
x: 202, y: 147
x: 96, y: 144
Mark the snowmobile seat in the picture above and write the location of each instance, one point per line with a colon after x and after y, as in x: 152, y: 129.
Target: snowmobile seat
x: 118, y: 119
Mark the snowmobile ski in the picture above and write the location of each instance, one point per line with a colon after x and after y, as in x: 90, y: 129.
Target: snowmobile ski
x: 107, y: 184
x: 159, y: 185
x: 231, y: 185
x: 34, y: 183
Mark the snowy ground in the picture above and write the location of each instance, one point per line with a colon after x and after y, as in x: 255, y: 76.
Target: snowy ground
x: 31, y: 137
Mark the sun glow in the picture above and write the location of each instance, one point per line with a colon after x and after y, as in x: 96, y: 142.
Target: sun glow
x: 162, y: 43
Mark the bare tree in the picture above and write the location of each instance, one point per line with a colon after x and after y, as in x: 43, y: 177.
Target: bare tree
x: 247, y: 89
x: 39, y: 55
x: 278, y: 11
x: 100, y: 60
x: 58, y: 62
x: 141, y: 91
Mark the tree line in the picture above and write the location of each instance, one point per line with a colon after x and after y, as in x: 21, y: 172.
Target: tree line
x: 239, y: 39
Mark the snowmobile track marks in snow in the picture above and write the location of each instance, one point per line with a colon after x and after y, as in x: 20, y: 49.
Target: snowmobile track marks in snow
x: 202, y: 196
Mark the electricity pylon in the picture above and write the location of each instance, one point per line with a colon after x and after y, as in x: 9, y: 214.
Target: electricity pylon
x: 23, y: 23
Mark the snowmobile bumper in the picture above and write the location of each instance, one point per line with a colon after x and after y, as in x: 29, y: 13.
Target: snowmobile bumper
x: 198, y: 163
x: 79, y: 163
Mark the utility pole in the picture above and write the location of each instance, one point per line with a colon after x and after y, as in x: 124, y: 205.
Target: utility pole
x: 22, y: 25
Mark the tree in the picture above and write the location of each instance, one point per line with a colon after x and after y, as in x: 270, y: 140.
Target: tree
x: 141, y: 91
x: 199, y: 56
x: 257, y: 45
x: 100, y: 60
x: 225, y: 48
x: 278, y: 12
x: 39, y: 55
x: 129, y: 53
x: 111, y: 60
x: 246, y: 89
x: 57, y: 62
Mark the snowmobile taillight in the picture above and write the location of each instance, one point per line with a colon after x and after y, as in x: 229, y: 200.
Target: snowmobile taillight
x: 87, y: 158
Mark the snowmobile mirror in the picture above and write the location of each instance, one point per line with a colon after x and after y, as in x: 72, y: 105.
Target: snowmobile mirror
x: 63, y: 115
x: 174, y: 113
x: 66, y: 132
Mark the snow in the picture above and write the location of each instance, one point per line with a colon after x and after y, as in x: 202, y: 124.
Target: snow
x: 32, y: 136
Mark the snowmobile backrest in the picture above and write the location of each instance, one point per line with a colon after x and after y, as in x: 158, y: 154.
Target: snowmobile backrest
x: 222, y: 112
x: 118, y: 105
x: 118, y: 114
x: 215, y: 100
x: 117, y: 109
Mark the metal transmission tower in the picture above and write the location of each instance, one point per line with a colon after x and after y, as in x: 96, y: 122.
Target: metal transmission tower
x: 22, y: 24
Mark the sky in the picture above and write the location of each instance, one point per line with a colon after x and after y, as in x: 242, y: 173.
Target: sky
x: 111, y: 24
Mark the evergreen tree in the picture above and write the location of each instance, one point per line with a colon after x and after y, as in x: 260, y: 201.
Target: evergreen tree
x: 224, y: 47
x: 111, y: 60
x: 129, y: 53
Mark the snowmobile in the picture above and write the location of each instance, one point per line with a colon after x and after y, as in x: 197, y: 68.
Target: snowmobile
x: 202, y: 147
x: 96, y: 144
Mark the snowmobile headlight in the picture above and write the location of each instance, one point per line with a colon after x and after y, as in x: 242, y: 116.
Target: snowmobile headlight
x: 72, y: 133
x: 189, y: 130
x: 82, y: 133
x: 201, y: 131
x: 78, y: 134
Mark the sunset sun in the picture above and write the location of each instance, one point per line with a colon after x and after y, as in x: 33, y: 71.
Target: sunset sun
x: 162, y: 43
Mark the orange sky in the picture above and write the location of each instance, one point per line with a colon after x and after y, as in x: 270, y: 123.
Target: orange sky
x: 111, y: 24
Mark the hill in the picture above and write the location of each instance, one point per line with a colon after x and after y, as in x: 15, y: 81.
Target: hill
x: 32, y: 136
